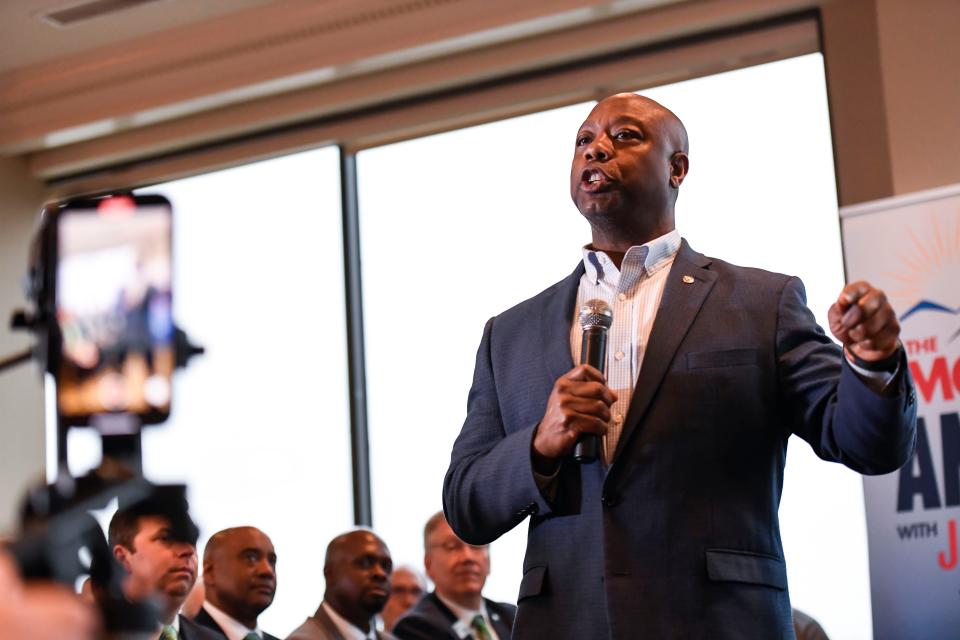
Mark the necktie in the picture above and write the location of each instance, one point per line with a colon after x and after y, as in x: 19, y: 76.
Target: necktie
x: 480, y: 626
x: 251, y: 636
x: 169, y: 633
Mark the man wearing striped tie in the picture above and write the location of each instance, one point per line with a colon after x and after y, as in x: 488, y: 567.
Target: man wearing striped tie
x: 156, y: 543
x: 456, y: 610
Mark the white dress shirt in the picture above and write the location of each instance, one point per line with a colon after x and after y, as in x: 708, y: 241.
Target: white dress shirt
x: 633, y: 292
x: 234, y: 629
x: 463, y: 627
x: 346, y: 629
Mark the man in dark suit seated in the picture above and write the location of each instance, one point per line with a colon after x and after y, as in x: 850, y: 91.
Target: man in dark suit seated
x: 357, y: 571
x: 240, y: 580
x: 157, y: 546
x: 456, y: 609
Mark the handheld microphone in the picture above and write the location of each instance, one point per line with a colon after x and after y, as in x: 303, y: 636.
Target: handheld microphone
x: 595, y: 320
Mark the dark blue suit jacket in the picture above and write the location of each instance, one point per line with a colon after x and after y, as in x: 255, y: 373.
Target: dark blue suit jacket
x: 190, y: 630
x: 204, y: 619
x: 679, y: 537
x: 430, y: 619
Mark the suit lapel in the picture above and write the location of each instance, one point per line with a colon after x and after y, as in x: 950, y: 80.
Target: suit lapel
x: 328, y: 626
x: 204, y: 619
x: 445, y: 611
x: 555, y: 322
x: 500, y: 624
x: 679, y: 306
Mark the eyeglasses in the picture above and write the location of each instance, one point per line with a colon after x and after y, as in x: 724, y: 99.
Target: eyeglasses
x: 456, y: 546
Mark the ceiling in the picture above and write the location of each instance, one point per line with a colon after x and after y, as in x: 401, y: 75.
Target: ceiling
x: 158, y: 61
x: 156, y: 77
x: 27, y: 38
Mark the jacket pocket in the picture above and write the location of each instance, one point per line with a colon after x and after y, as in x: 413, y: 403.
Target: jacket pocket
x: 533, y: 582
x: 727, y: 565
x: 728, y: 358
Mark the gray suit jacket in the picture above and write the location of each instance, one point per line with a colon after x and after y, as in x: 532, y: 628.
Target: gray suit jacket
x: 679, y: 537
x: 321, y: 627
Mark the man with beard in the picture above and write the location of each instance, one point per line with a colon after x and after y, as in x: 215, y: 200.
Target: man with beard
x: 673, y: 531
x: 240, y: 580
x: 456, y: 609
x: 357, y: 572
x: 156, y: 545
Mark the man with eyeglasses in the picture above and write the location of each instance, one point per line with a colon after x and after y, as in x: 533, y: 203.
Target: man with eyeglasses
x: 456, y: 609
x: 407, y: 586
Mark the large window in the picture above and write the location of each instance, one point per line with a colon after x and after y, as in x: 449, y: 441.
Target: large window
x: 260, y: 427
x: 458, y: 227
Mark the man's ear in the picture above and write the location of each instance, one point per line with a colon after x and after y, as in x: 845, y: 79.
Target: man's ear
x: 679, y: 166
x: 427, y: 561
x: 122, y: 555
x: 207, y: 576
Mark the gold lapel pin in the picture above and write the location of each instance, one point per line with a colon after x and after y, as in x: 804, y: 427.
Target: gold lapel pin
x: 688, y: 279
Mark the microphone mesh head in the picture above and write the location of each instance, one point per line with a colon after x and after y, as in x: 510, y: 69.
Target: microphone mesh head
x: 595, y: 313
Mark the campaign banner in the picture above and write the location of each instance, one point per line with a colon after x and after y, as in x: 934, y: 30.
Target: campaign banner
x: 909, y: 246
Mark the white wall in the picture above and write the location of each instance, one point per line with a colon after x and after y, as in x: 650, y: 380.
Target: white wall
x: 21, y: 394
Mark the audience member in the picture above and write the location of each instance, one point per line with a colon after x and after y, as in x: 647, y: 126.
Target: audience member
x: 240, y: 580
x: 456, y: 608
x: 407, y: 586
x: 156, y: 545
x: 357, y: 572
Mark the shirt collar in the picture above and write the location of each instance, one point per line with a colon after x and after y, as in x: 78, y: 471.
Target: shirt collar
x: 347, y: 629
x: 646, y: 258
x: 233, y: 628
x: 465, y: 616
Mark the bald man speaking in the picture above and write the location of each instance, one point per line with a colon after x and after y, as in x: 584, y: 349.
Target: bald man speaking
x: 673, y: 531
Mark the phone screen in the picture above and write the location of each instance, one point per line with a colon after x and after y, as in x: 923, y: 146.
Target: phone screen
x: 114, y: 308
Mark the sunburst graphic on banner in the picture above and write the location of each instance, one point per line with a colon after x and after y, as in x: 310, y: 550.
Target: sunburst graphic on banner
x: 928, y: 270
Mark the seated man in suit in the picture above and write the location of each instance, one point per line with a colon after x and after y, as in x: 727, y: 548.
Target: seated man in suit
x: 456, y: 609
x: 240, y: 580
x: 407, y: 586
x: 357, y: 570
x: 156, y: 544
